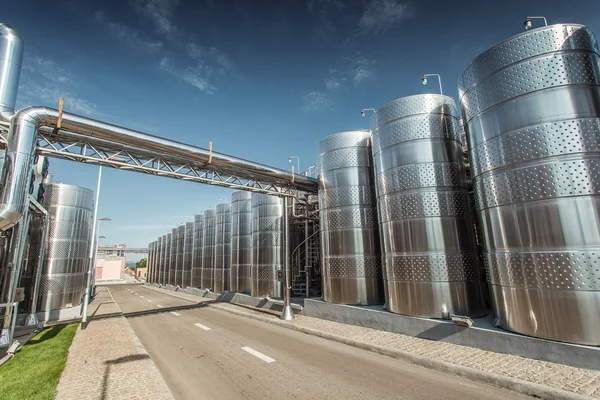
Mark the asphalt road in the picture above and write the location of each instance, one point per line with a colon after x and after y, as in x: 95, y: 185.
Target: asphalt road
x: 204, y: 353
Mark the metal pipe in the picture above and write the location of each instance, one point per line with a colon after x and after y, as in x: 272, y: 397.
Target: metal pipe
x: 22, y: 142
x: 11, y: 58
x: 307, y: 267
x: 93, y: 246
x: 287, y: 314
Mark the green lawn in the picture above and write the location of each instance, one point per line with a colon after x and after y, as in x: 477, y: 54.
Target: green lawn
x: 34, y: 371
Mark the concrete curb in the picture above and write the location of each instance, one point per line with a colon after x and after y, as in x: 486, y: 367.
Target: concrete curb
x: 517, y: 385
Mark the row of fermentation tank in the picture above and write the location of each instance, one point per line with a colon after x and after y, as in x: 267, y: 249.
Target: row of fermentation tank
x: 235, y: 247
x: 401, y: 224
x: 398, y: 219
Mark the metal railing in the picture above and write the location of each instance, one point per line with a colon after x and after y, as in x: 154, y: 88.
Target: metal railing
x: 6, y: 338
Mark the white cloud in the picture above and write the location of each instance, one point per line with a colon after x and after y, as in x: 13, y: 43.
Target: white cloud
x: 197, y: 77
x: 355, y: 71
x: 382, y: 15
x: 129, y: 35
x: 44, y: 82
x: 160, y: 12
x: 317, y: 101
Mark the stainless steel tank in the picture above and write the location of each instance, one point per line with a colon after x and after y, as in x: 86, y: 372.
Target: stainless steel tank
x: 350, y: 246
x: 208, y: 250
x: 531, y: 107
x: 425, y: 219
x: 149, y: 262
x: 164, y: 268
x: 172, y: 256
x: 267, y: 249
x: 179, y: 242
x: 241, y: 242
x: 187, y: 254
x: 66, y: 258
x: 222, y: 248
x: 197, y: 250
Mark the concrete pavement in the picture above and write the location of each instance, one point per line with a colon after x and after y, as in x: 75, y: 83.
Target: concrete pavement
x: 206, y: 353
x: 106, y: 360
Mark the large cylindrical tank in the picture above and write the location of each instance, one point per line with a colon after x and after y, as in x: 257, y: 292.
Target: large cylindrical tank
x: 208, y: 250
x: 66, y: 259
x: 11, y: 57
x: 197, y: 250
x: 531, y: 107
x: 173, y: 267
x: 267, y: 249
x: 350, y: 246
x: 426, y: 224
x: 149, y: 262
x: 169, y: 257
x: 164, y: 268
x: 187, y: 254
x: 241, y: 242
x: 179, y: 242
x: 222, y: 247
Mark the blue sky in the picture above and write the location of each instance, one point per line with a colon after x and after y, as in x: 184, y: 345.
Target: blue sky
x: 262, y: 80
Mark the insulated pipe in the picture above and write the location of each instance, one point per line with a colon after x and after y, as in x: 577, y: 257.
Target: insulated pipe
x: 22, y: 142
x: 11, y: 58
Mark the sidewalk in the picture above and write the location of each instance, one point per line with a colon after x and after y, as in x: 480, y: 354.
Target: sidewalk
x: 107, y: 361
x: 579, y: 381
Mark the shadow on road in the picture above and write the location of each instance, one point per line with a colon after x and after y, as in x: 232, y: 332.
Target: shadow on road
x: 153, y: 311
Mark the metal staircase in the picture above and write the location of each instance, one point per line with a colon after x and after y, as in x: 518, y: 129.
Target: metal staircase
x: 306, y: 258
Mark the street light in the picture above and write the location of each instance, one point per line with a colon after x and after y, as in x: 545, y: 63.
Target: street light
x: 105, y: 219
x: 297, y: 159
x: 92, y: 253
x: 527, y: 22
x: 363, y: 113
x: 424, y: 80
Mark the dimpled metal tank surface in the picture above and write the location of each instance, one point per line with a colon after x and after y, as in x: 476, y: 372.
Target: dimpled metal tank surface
x: 188, y: 240
x: 241, y: 242
x: 267, y: 250
x: 179, y: 257
x: 197, y: 250
x: 66, y: 258
x: 426, y: 223
x: 531, y: 105
x: 208, y: 250
x: 350, y: 246
x: 173, y: 267
x: 222, y: 247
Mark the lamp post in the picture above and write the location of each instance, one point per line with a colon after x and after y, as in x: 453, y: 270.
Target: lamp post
x: 92, y: 253
x: 527, y: 22
x: 364, y: 110
x: 297, y: 159
x: 424, y: 80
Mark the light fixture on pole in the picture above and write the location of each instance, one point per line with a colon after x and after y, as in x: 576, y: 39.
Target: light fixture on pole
x: 424, y: 80
x: 363, y: 112
x: 527, y: 22
x: 297, y: 159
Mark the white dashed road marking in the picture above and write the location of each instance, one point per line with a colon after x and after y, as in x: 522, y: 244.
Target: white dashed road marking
x: 149, y: 301
x: 141, y: 297
x: 206, y: 328
x: 255, y: 353
x: 159, y: 306
x: 175, y: 313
